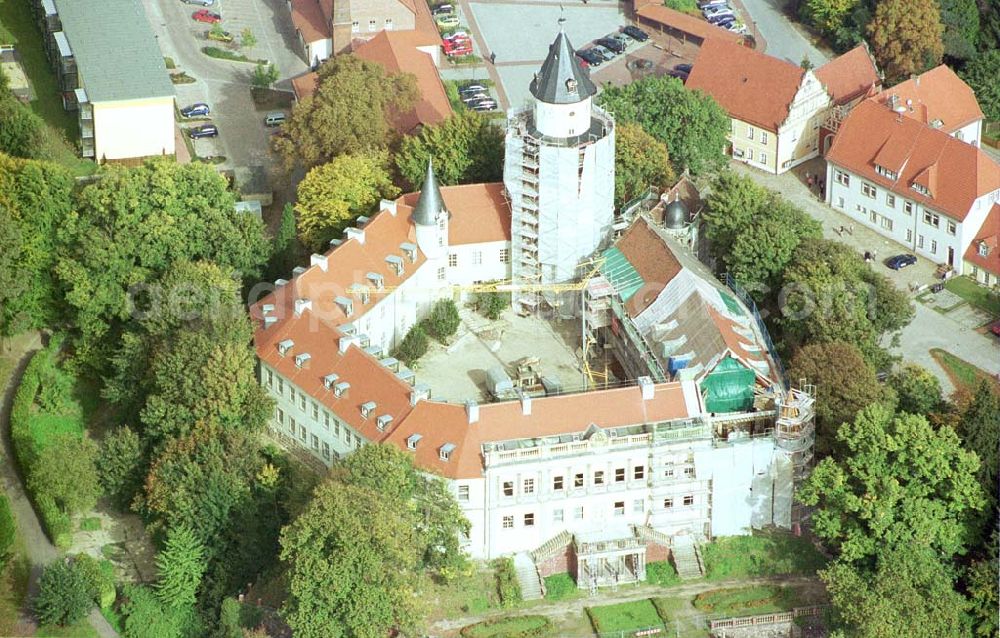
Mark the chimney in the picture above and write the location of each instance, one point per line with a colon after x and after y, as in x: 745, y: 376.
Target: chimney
x: 525, y: 404
x: 301, y: 305
x: 419, y: 393
x: 472, y: 410
x: 646, y: 387
x: 318, y: 260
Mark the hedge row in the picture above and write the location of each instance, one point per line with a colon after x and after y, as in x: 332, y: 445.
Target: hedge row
x: 507, y: 586
x: 509, y: 627
x: 57, y: 523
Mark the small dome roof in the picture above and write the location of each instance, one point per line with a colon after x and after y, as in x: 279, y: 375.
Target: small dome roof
x: 675, y: 216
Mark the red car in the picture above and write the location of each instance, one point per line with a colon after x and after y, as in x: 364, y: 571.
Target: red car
x: 995, y: 328
x: 458, y: 48
x: 204, y: 15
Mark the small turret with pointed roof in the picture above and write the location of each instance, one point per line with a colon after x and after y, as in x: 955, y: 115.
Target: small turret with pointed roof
x: 430, y: 204
x: 561, y: 79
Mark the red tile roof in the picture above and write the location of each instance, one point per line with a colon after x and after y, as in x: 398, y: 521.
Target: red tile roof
x: 938, y: 94
x: 479, y: 212
x: 683, y: 22
x: 750, y: 86
x: 955, y: 173
x: 989, y: 233
x: 849, y: 76
x: 308, y: 18
x: 305, y: 85
x: 652, y: 259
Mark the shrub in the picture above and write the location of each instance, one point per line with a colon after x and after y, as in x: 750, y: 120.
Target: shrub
x: 492, y: 304
x: 100, y: 576
x: 57, y: 523
x: 443, y: 320
x: 662, y: 573
x: 508, y: 588
x: 8, y: 529
x: 64, y: 594
x: 509, y: 627
x: 120, y: 466
x: 413, y: 346
x: 559, y: 586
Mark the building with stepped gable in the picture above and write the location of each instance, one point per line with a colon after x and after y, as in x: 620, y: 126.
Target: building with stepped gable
x: 690, y: 433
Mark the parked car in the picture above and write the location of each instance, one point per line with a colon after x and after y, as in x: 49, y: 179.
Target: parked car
x: 726, y: 22
x: 680, y: 75
x: 485, y: 106
x: 635, y: 33
x: 204, y: 15
x: 472, y: 88
x: 274, y: 118
x: 442, y: 9
x: 723, y: 17
x: 590, y: 56
x: 898, y: 262
x: 205, y: 130
x: 458, y: 35
x: 219, y: 36
x: 712, y: 3
x: 620, y: 37
x: 995, y: 328
x: 737, y: 28
x: 447, y: 21
x: 475, y: 97
x: 200, y: 3
x: 605, y: 53
x: 684, y: 68
x: 458, y: 50
x: 612, y: 45
x: 716, y: 9
x: 198, y: 109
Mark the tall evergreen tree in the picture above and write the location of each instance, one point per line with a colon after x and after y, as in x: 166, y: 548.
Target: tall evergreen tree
x: 180, y: 567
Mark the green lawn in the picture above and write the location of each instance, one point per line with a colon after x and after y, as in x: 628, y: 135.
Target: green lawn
x: 662, y: 573
x: 963, y: 374
x: 13, y: 588
x: 979, y: 296
x: 561, y: 587
x: 505, y: 627
x: 17, y: 28
x: 636, y: 615
x: 45, y: 427
x: 746, y: 601
x: 472, y: 594
x: 681, y: 618
x: 80, y: 629
x: 762, y: 554
x: 684, y: 6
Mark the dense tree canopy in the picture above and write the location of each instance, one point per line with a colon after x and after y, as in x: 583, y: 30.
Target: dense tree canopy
x: 981, y: 74
x: 980, y: 430
x: 348, y: 113
x: 690, y: 123
x: 180, y: 567
x: 961, y: 28
x: 334, y: 194
x: 65, y: 470
x: 918, y: 391
x: 23, y: 132
x: 906, y: 37
x: 899, y: 484
x: 826, y: 15
x: 641, y: 161
x: 64, y: 594
x: 466, y: 148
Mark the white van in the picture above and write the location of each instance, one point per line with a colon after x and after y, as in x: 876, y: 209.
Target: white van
x: 276, y: 118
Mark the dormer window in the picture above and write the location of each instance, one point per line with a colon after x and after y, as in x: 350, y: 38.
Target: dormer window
x: 383, y: 422
x: 412, y: 440
x: 983, y: 249
x: 445, y: 452
x: 340, y: 389
x: 885, y: 172
x: 367, y: 408
x: 376, y: 280
x: 346, y: 305
x: 302, y: 360
x: 329, y: 380
x: 410, y: 250
x: 571, y: 85
x: 396, y: 263
x: 285, y: 346
x: 921, y: 189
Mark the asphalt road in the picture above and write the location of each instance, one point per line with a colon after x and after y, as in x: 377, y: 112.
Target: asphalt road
x: 785, y: 40
x: 225, y: 85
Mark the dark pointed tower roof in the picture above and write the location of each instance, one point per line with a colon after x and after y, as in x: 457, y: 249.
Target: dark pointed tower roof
x: 561, y: 79
x: 430, y: 204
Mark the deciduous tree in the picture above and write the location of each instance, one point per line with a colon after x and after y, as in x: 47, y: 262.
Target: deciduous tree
x: 980, y: 430
x: 690, y: 123
x: 334, y: 194
x: 918, y: 391
x: 66, y: 470
x: 180, y: 567
x: 23, y: 132
x: 121, y: 464
x: 466, y: 148
x: 64, y: 594
x: 899, y: 485
x: 826, y: 15
x: 906, y: 36
x: 641, y: 161
x: 348, y: 113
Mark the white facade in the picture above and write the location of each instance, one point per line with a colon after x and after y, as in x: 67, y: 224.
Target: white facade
x: 134, y: 128
x: 798, y: 135
x: 971, y: 133
x: 923, y: 230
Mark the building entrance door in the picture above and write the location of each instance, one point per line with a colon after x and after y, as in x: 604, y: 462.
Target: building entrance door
x: 951, y: 256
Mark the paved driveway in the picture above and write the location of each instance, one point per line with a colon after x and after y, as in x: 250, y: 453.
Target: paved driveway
x: 785, y: 39
x: 225, y: 85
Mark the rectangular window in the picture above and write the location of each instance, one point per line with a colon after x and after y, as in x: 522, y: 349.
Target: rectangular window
x: 508, y: 488
x: 371, y: 25
x: 508, y: 522
x: 270, y: 378
x: 951, y: 227
x: 890, y: 200
x: 668, y: 503
x: 355, y: 27
x: 463, y: 493
x: 578, y: 480
x: 281, y: 386
x: 887, y: 224
x: 909, y: 235
x: 315, y: 442
x: 453, y: 260
x: 529, y: 520
x: 983, y: 249
x: 639, y: 472
x: 578, y: 513
x: 932, y: 219
x: 291, y: 425
x: 920, y: 241
x: 842, y: 178
x: 315, y: 407
x: 326, y: 420
x: 599, y: 477
x: 281, y: 416
x: 638, y: 506
x: 388, y: 24
x: 619, y: 475
x: 441, y: 273
x: 907, y: 207
x: 840, y: 203
x: 749, y: 132
x: 557, y: 516
x: 763, y: 157
x: 689, y: 472
x: 873, y: 216
x: 869, y: 190
x: 689, y: 500
x: 477, y: 257
x: 668, y: 473
x: 302, y: 433
x: 529, y: 486
x: 619, y: 508
x: 933, y: 246
x: 557, y: 483
x: 505, y: 255
x: 302, y: 401
x: 326, y: 450
x: 763, y: 139
x: 749, y: 153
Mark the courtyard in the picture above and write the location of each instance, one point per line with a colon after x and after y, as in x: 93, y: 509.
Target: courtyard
x: 457, y: 372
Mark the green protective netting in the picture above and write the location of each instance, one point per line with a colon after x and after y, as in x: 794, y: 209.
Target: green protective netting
x: 729, y: 387
x: 732, y: 304
x: 620, y: 273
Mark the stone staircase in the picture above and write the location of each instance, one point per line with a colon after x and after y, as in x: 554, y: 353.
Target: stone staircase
x: 647, y: 533
x: 552, y: 546
x: 687, y: 560
x: 527, y: 576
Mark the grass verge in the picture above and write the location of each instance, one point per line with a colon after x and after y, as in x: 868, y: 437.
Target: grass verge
x: 632, y: 616
x: 689, y: 7
x: 963, y: 374
x: 225, y: 54
x: 508, y: 627
x: 979, y: 296
x: 662, y: 573
x: 746, y: 601
x: 762, y: 554
x: 90, y: 524
x: 561, y: 587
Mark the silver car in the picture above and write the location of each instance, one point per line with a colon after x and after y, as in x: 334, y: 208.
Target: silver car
x: 200, y: 3
x: 604, y: 52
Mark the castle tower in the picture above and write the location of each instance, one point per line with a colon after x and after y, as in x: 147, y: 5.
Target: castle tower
x: 559, y: 172
x: 430, y: 217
